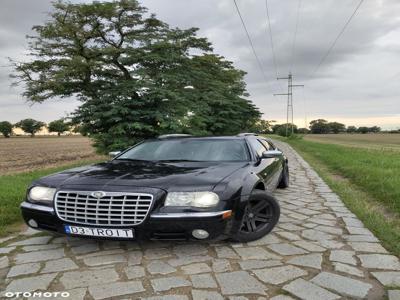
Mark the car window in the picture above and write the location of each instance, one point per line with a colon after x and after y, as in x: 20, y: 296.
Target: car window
x: 257, y: 146
x: 271, y: 145
x: 189, y: 149
x: 266, y: 145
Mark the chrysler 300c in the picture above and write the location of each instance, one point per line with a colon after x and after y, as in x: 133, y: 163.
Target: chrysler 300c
x: 171, y: 187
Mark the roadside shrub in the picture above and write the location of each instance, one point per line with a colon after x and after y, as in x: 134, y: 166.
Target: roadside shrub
x: 295, y: 137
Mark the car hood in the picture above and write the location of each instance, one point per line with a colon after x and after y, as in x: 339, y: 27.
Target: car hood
x: 167, y: 176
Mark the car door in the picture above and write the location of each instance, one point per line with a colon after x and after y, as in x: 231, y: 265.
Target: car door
x: 264, y: 168
x: 278, y: 162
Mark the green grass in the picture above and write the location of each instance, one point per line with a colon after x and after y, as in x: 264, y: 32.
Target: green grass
x: 377, y: 141
x: 12, y: 193
x: 376, y: 172
x: 368, y: 181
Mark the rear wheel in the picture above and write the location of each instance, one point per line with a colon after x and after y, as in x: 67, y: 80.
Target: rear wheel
x: 260, y: 217
x: 284, y: 182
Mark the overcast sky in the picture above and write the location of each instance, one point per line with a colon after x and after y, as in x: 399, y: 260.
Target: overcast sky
x: 358, y: 84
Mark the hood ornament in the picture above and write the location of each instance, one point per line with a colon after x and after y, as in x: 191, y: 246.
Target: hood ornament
x: 98, y: 194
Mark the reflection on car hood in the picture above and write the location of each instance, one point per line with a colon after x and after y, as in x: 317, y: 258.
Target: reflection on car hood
x: 167, y: 176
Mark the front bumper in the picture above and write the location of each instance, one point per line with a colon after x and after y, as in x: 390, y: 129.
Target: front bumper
x: 160, y: 226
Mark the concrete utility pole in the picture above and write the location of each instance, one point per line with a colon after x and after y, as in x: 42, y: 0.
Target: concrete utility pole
x: 289, y: 94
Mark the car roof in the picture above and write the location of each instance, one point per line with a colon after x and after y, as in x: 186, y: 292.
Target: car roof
x: 240, y: 136
x: 232, y: 137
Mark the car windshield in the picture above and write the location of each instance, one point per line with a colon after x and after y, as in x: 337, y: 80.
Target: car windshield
x: 189, y: 150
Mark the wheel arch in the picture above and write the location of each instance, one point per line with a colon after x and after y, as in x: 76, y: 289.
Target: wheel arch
x: 259, y: 186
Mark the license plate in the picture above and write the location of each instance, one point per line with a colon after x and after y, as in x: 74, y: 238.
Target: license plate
x: 100, y: 232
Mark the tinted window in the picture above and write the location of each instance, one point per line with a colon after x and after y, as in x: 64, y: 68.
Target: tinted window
x: 272, y: 146
x: 266, y: 145
x: 189, y: 149
x: 258, y: 147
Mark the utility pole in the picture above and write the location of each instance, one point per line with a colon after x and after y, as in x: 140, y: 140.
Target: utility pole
x: 289, y: 106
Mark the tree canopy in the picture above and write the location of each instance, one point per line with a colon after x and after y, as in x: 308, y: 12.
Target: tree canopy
x: 284, y: 129
x: 319, y: 126
x: 336, y: 127
x: 59, y: 126
x: 351, y: 129
x: 30, y: 126
x: 135, y: 76
x: 263, y: 126
x: 6, y: 128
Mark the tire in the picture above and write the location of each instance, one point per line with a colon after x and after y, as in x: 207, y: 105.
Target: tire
x: 261, y: 215
x: 284, y: 182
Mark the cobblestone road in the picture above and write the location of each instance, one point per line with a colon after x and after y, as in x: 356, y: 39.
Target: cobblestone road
x: 319, y: 250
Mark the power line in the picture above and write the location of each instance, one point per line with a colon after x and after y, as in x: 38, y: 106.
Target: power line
x: 271, y: 42
x: 251, y: 44
x: 295, y: 35
x: 271, y: 39
x: 337, y: 38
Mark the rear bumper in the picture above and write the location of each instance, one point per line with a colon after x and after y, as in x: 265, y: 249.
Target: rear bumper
x: 167, y: 226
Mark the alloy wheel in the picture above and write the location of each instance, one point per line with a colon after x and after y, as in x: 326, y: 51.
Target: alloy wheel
x: 257, y: 216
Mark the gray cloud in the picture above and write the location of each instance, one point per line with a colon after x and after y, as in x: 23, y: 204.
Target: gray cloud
x: 354, y: 83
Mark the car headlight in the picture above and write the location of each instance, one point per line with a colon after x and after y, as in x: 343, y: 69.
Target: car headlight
x: 195, y: 199
x: 41, y: 193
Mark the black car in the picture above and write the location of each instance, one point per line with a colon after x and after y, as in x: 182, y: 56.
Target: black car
x: 173, y: 187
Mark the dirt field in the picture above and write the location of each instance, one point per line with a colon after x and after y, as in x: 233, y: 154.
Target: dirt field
x: 384, y: 141
x: 19, y: 154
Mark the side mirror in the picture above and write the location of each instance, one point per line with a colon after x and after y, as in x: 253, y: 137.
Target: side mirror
x: 271, y: 154
x: 114, y: 153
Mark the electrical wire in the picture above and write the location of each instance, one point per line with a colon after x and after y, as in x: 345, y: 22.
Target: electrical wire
x: 336, y: 39
x: 295, y: 35
x: 269, y: 33
x: 271, y: 38
x: 251, y: 45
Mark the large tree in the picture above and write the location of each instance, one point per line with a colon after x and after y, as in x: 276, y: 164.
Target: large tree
x: 319, y: 126
x: 59, y: 126
x: 284, y: 129
x: 336, y: 127
x: 264, y: 126
x: 351, y: 129
x: 6, y: 128
x: 30, y: 126
x: 131, y: 72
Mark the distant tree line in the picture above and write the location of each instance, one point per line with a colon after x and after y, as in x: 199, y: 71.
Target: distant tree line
x: 319, y: 126
x: 32, y: 126
x: 322, y: 126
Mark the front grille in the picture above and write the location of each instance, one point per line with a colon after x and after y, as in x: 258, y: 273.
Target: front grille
x: 111, y: 209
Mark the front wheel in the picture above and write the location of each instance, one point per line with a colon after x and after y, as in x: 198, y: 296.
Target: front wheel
x: 260, y: 217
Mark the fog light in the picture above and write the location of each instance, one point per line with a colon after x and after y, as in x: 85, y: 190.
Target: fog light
x: 33, y: 223
x: 200, y: 234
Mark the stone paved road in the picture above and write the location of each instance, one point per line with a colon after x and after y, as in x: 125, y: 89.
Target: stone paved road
x: 319, y: 250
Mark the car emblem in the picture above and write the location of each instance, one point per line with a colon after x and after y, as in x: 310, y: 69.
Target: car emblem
x: 98, y: 194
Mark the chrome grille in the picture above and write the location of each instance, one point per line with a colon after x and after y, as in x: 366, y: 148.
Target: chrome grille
x: 112, y: 209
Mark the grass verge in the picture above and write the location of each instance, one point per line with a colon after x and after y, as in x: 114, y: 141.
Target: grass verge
x: 12, y: 193
x: 368, y: 182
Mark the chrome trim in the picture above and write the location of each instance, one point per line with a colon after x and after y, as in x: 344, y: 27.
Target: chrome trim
x: 33, y: 206
x: 129, y: 214
x: 189, y: 214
